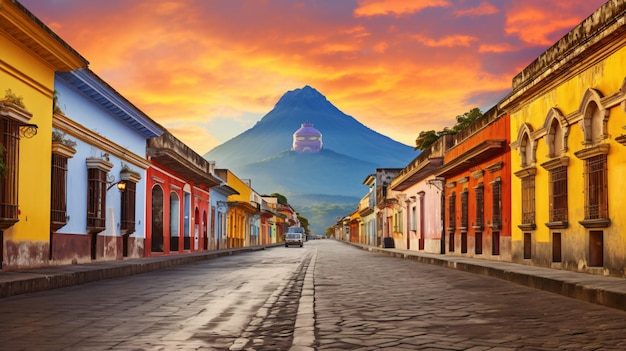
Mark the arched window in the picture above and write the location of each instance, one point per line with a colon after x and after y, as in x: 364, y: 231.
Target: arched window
x: 174, y: 221
x: 157, y: 219
x: 595, y: 118
x: 526, y: 151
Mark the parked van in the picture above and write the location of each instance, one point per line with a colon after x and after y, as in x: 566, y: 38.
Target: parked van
x: 294, y: 236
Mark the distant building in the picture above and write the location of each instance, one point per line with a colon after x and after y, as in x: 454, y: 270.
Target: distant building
x: 307, y: 139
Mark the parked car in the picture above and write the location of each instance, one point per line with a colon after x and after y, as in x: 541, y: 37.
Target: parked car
x: 294, y: 236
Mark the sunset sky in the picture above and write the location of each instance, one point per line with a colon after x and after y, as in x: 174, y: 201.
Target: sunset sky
x: 210, y: 69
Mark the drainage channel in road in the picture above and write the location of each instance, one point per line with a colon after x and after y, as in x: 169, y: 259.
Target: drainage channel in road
x: 281, y: 322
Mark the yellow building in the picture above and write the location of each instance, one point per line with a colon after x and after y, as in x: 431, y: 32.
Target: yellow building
x: 568, y: 156
x: 31, y: 54
x: 240, y: 210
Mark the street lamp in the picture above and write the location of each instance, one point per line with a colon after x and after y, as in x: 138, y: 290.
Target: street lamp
x: 121, y: 184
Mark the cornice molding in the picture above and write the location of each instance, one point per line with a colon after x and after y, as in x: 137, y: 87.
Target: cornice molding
x: 526, y: 172
x: 555, y: 163
x: 601, y: 149
x: 80, y: 132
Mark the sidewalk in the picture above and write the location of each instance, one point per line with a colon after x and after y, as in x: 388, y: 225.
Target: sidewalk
x: 597, y: 289
x: 52, y: 277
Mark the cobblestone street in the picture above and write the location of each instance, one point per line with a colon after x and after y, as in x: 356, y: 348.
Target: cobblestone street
x: 366, y: 301
x: 326, y: 296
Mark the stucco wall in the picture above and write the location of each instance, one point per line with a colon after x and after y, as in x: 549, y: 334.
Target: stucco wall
x: 605, y: 74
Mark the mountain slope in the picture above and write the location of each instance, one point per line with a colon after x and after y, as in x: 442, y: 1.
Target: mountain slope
x: 323, y: 185
x: 341, y: 133
x: 322, y: 173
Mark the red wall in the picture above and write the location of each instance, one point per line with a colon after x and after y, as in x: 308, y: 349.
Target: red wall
x: 170, y: 183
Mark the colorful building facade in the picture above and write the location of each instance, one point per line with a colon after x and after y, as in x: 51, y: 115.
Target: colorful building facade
x: 567, y: 128
x: 420, y: 194
x: 367, y: 211
x: 31, y: 54
x: 241, y: 210
x: 106, y: 136
x: 219, y: 214
x: 476, y: 170
x: 178, y: 206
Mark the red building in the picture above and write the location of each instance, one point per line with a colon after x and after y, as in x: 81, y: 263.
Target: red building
x: 178, y: 201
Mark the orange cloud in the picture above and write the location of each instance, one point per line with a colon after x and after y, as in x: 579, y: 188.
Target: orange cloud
x: 496, y: 48
x: 395, y: 7
x: 197, y: 139
x: 536, y: 26
x: 210, y: 71
x: 484, y: 8
x: 449, y: 41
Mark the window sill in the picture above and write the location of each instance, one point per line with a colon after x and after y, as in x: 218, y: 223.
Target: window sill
x: 54, y: 226
x: 557, y: 225
x: 595, y: 223
x: 529, y: 226
x: 95, y: 230
x: 6, y: 223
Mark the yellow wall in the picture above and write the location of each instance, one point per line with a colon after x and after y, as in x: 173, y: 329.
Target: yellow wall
x: 238, y: 226
x: 244, y: 190
x: 30, y: 57
x: 34, y: 81
x: 606, y: 76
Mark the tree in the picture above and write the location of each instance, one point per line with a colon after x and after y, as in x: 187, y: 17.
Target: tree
x: 282, y: 199
x: 304, y: 222
x: 464, y: 120
x: 426, y: 138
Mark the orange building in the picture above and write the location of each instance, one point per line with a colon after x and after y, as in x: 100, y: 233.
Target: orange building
x: 477, y: 177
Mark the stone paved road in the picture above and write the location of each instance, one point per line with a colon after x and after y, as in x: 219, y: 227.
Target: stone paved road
x: 264, y: 301
x: 367, y: 301
x: 246, y: 300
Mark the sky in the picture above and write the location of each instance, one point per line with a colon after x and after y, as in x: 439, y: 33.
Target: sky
x: 208, y: 70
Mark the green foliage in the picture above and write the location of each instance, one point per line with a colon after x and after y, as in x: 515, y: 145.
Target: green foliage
x: 282, y: 199
x: 304, y: 222
x: 9, y: 96
x: 426, y: 138
x: 324, y: 214
x: 60, y: 137
x: 464, y: 120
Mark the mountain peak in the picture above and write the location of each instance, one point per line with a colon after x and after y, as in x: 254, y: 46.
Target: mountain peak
x: 306, y: 97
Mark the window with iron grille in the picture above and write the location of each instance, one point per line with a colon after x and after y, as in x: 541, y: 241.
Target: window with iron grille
x: 128, y: 208
x: 528, y: 200
x: 96, y: 199
x: 596, y: 188
x: 496, y: 193
x: 9, y: 140
x: 480, y: 206
x: 58, y: 205
x: 558, y: 194
x: 464, y: 208
x: 452, y: 211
